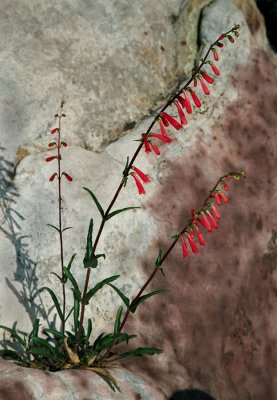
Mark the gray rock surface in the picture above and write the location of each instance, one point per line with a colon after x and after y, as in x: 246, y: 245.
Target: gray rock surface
x: 114, y: 63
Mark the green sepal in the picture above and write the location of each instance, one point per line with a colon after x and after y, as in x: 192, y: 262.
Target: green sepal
x: 124, y: 298
x: 158, y: 260
x: 97, y: 287
x: 100, y: 209
x: 74, y: 283
x: 112, y: 214
x: 15, y: 335
x: 137, y: 302
x: 54, y: 227
x: 55, y: 300
x: 140, y: 351
x: 117, y: 320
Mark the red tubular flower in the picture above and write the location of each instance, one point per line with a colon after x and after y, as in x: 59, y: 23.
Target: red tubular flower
x: 215, y: 55
x: 228, y: 178
x: 52, y: 144
x: 195, y: 82
x: 216, y: 213
x: 200, y: 236
x: 155, y: 149
x: 163, y: 138
x: 226, y: 187
x: 184, y: 247
x: 48, y: 159
x: 207, y: 77
x: 204, y: 86
x: 68, y: 177
x: 181, y: 114
x: 165, y: 122
x: 139, y: 184
x: 182, y: 101
x: 146, y: 143
x: 217, y: 198
x: 195, y: 98
x: 205, y: 222
x: 219, y: 44
x: 171, y: 120
x: 222, y: 36
x: 162, y: 129
x: 216, y: 71
x: 191, y: 233
x: 54, y: 131
x: 64, y: 144
x: 192, y: 244
x: 223, y: 197
x: 188, y: 105
x: 213, y: 221
x: 142, y: 176
x: 52, y: 177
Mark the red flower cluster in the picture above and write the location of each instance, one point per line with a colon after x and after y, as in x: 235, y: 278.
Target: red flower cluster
x: 139, y: 174
x: 183, y: 101
x: 207, y: 218
x: 57, y: 145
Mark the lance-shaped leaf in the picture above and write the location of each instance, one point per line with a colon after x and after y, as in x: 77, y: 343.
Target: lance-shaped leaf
x: 89, y: 330
x: 74, y: 283
x: 34, y: 331
x: 140, y: 351
x: 54, y: 227
x: 117, y: 320
x: 15, y: 335
x: 124, y: 298
x: 76, y: 311
x: 89, y: 253
x: 54, y: 332
x: 137, y: 302
x: 14, y: 355
x: 107, y: 376
x: 112, y: 214
x: 55, y: 301
x: 159, y: 258
x: 100, y: 209
x: 97, y: 287
x: 104, y: 342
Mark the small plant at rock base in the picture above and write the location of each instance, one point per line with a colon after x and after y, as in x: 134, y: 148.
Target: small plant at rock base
x: 60, y: 348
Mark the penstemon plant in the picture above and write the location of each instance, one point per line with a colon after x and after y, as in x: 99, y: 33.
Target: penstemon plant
x: 61, y: 348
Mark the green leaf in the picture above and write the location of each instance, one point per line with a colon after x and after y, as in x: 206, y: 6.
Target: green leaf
x: 11, y: 354
x: 104, y: 342
x: 15, y: 335
x: 68, y: 227
x: 41, y: 351
x: 137, y: 302
x: 124, y: 298
x: 112, y: 214
x: 99, y: 286
x: 71, y: 261
x: 68, y: 315
x: 76, y: 312
x: 54, y: 227
x: 55, y: 300
x: 54, y: 332
x: 74, y: 283
x: 93, y: 261
x: 34, y: 332
x: 58, y: 276
x: 89, y: 330
x: 125, y: 173
x: 88, y: 254
x: 140, y: 351
x: 117, y: 320
x: 100, y: 209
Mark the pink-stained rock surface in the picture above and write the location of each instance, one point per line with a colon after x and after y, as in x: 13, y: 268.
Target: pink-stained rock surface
x: 19, y: 383
x: 217, y: 324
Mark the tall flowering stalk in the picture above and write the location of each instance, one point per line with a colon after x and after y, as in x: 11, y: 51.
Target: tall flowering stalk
x: 59, y: 174
x: 163, y: 119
